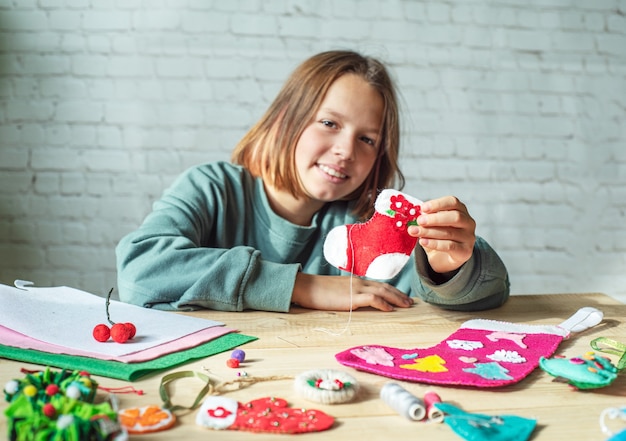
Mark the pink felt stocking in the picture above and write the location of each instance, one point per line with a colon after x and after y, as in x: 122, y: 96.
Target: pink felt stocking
x: 481, y: 353
x: 380, y: 247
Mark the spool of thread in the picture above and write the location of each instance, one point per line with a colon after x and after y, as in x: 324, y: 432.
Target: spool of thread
x: 403, y: 402
x: 434, y: 414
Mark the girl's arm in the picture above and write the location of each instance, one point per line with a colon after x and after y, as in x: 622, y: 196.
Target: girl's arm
x: 192, y: 249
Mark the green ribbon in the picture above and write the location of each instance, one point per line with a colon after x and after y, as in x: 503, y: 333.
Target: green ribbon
x: 167, y: 402
x: 609, y: 346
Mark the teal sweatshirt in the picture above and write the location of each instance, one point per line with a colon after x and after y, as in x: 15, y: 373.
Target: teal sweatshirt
x: 212, y: 241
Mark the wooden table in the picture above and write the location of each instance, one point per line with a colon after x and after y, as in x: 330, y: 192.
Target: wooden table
x: 289, y: 344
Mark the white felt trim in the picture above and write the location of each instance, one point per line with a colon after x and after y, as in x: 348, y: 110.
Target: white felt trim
x: 217, y: 412
x: 493, y: 325
x: 383, y: 200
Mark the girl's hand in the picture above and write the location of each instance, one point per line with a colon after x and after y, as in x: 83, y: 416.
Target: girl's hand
x: 332, y: 293
x: 446, y: 231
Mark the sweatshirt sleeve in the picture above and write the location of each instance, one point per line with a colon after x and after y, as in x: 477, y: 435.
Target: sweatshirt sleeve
x: 184, y: 257
x: 481, y: 283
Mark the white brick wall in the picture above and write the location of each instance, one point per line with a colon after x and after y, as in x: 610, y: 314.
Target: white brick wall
x: 517, y: 107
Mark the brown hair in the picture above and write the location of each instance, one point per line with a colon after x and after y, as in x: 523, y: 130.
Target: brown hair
x: 268, y: 149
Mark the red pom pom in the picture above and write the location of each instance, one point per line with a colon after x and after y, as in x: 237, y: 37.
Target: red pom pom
x: 232, y: 363
x: 101, y: 332
x: 49, y: 410
x: 132, y: 329
x: 120, y: 333
x: 52, y: 389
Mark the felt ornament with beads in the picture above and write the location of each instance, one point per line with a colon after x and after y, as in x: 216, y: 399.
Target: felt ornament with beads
x: 269, y: 415
x: 380, y: 247
x: 590, y: 370
x: 52, y: 404
x: 481, y: 353
x: 326, y: 386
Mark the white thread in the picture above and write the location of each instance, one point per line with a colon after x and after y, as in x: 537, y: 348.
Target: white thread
x: 347, y: 327
x: 403, y: 402
x: 287, y: 341
x: 611, y: 413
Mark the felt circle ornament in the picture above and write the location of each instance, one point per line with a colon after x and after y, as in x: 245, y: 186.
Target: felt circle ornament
x: 326, y: 386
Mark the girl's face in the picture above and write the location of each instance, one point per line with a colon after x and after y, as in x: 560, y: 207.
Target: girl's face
x: 337, y: 150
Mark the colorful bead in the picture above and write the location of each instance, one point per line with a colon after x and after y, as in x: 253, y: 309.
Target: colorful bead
x: 65, y: 421
x: 132, y: 329
x: 49, y: 410
x: 52, y: 389
x: 12, y: 387
x: 120, y: 333
x: 238, y: 354
x: 101, y: 332
x: 30, y: 390
x: 73, y: 391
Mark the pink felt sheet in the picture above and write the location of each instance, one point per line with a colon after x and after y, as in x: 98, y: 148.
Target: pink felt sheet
x: 9, y: 337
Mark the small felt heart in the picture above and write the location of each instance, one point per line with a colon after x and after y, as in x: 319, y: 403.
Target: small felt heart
x: 409, y: 356
x: 468, y: 359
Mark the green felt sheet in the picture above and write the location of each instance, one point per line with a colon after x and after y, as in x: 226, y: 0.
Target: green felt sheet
x: 126, y: 371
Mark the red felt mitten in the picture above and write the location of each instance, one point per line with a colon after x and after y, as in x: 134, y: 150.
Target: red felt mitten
x: 271, y: 415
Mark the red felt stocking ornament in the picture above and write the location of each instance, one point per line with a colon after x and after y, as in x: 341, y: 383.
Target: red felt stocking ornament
x: 380, y: 247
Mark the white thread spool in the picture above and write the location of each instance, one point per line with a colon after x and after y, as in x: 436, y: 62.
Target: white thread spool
x: 403, y: 402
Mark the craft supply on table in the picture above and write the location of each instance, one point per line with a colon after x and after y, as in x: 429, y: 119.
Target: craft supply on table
x: 481, y: 353
x: 167, y: 339
x: 608, y: 425
x: 52, y: 404
x: 480, y: 427
x: 127, y: 371
x: 27, y: 310
x: 587, y: 371
x: 610, y: 346
x: 119, y: 332
x: 403, y: 402
x: 432, y: 412
x: 238, y: 354
x: 146, y: 419
x: 590, y: 370
x: 327, y: 386
x: 269, y: 414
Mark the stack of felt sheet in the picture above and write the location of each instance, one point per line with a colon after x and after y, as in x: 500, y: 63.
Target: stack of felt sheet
x: 53, y: 327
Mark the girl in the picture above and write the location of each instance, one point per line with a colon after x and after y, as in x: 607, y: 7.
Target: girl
x: 250, y: 234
